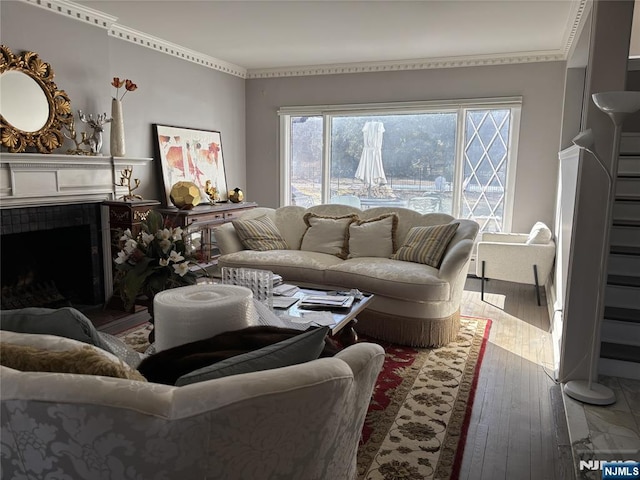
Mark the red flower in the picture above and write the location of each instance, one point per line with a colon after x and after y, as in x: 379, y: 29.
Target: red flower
x: 128, y: 85
x: 117, y: 82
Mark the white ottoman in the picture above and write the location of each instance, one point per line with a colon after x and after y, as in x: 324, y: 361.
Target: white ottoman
x: 186, y: 314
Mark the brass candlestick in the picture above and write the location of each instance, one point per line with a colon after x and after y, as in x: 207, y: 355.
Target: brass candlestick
x: 125, y: 181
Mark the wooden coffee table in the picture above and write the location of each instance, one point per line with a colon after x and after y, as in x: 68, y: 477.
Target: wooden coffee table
x: 343, y: 319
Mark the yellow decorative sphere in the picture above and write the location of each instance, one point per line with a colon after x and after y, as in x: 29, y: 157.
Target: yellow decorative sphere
x: 185, y: 195
x: 236, y: 195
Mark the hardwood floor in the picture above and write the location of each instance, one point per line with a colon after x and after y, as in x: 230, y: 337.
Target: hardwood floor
x: 518, y: 428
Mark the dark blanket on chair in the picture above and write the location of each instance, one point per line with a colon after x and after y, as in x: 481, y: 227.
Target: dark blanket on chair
x: 168, y: 365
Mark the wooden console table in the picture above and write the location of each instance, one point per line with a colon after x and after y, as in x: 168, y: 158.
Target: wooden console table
x: 203, y: 219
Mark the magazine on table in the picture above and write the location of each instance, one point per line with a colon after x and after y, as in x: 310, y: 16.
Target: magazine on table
x: 285, y: 289
x: 327, y: 301
x: 283, y: 302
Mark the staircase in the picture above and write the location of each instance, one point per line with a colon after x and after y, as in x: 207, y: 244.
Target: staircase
x: 620, y: 335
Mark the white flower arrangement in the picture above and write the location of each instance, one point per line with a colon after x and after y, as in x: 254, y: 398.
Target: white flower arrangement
x: 158, y: 258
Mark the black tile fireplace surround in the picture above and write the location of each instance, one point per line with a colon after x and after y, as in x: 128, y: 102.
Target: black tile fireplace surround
x: 51, y: 256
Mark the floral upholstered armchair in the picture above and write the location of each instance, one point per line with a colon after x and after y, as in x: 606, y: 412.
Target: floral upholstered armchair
x: 300, y: 422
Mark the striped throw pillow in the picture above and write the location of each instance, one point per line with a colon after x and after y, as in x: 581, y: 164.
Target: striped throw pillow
x: 259, y: 234
x: 426, y: 244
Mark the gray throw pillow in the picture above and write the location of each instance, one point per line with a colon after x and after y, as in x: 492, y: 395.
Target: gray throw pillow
x: 63, y: 322
x: 299, y: 349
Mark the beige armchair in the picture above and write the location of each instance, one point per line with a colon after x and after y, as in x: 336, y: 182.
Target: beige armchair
x: 516, y: 257
x: 300, y: 422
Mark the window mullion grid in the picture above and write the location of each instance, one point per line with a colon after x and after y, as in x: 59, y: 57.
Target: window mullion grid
x: 474, y: 168
x: 494, y: 171
x: 487, y: 157
x: 495, y: 168
x: 496, y: 135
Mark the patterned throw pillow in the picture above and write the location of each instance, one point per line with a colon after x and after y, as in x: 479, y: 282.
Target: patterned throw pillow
x: 326, y: 234
x: 86, y: 360
x: 375, y: 237
x: 426, y: 244
x: 259, y: 234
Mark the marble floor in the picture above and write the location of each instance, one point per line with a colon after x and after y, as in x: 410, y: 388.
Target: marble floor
x: 605, y: 433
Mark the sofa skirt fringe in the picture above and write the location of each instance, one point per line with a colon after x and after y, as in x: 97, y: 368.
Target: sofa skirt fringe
x: 414, y: 332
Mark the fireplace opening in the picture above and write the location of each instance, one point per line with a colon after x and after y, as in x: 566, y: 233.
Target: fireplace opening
x: 51, y: 257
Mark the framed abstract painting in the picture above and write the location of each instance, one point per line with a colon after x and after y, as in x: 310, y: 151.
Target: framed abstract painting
x: 187, y: 154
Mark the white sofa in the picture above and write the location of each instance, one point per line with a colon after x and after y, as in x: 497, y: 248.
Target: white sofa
x: 414, y: 304
x: 302, y: 421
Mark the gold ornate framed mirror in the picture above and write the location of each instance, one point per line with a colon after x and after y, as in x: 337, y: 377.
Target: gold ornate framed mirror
x: 32, y: 109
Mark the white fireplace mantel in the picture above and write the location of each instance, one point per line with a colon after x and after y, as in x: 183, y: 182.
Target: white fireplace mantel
x: 32, y: 179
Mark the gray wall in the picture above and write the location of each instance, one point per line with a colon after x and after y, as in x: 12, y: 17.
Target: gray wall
x: 170, y: 91
x: 176, y: 92
x: 540, y: 85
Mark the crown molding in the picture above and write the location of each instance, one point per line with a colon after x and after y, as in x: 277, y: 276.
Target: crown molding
x: 75, y: 11
x: 160, y: 45
x: 576, y: 17
x: 108, y: 22
x: 418, y: 64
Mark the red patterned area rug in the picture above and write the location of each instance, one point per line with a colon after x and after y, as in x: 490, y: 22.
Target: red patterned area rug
x: 419, y: 415
x: 137, y: 337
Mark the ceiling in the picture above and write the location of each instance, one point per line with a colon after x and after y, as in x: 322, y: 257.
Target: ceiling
x: 261, y: 35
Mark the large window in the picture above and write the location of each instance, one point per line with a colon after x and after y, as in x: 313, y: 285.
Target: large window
x: 453, y: 157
